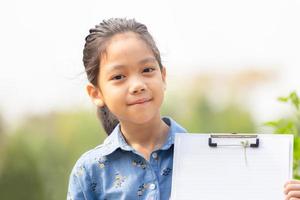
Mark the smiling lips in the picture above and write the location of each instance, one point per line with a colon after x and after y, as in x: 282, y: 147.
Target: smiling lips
x: 139, y: 101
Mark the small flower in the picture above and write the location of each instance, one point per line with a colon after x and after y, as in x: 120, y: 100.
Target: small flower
x: 166, y: 171
x: 93, y: 186
x: 134, y: 163
x: 119, y: 179
x: 141, y: 189
x: 139, y: 163
x: 143, y: 166
x: 102, y: 162
x: 80, y: 170
x: 140, y: 193
x: 101, y: 165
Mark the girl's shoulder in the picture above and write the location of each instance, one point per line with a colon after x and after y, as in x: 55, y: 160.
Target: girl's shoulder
x: 92, y: 156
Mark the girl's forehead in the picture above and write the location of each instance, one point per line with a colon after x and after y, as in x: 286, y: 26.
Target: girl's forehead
x: 126, y: 46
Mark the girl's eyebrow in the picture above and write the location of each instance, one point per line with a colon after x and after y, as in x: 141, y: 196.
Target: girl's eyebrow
x: 142, y: 61
x: 147, y: 59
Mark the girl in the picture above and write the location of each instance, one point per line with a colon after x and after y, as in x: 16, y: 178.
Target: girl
x: 127, y: 83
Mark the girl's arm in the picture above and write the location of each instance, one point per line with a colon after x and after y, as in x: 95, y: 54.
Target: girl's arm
x: 292, y: 190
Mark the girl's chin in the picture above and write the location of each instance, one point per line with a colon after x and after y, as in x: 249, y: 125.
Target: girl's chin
x: 141, y: 118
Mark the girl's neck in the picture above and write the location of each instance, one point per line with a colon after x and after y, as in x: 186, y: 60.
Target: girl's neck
x: 145, y: 138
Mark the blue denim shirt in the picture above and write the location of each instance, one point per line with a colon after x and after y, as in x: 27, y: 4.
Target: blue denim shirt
x: 114, y: 170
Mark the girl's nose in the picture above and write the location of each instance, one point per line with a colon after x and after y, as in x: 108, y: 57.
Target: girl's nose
x: 137, y: 86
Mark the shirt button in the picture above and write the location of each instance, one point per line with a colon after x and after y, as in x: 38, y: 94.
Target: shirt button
x: 152, y: 186
x: 154, y: 155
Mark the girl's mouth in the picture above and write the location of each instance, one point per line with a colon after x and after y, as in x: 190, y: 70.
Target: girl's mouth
x: 140, y: 101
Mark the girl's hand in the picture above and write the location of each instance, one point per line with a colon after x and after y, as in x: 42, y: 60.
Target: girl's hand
x: 292, y: 190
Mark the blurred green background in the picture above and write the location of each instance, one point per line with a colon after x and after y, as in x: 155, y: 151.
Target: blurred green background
x: 36, y: 157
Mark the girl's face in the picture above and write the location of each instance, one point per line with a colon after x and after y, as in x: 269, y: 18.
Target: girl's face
x: 130, y: 80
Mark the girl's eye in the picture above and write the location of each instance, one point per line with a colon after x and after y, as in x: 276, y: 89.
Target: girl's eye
x: 118, y: 77
x: 148, y: 69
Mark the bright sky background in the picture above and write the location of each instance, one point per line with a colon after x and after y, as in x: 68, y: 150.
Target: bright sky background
x: 41, y: 45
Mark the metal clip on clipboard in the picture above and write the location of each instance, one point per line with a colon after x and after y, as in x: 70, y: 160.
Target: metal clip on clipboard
x: 233, y: 136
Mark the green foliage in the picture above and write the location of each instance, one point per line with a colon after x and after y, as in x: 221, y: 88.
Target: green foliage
x: 40, y: 154
x: 201, y: 116
x: 290, y: 125
x: 19, y: 177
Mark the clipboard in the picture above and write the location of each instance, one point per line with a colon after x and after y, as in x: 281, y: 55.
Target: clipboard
x: 231, y: 166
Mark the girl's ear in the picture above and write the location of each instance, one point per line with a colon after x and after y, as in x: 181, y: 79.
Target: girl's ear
x: 95, y: 94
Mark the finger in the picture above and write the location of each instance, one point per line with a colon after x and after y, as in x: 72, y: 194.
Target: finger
x: 292, y: 187
x: 293, y: 194
x: 292, y: 182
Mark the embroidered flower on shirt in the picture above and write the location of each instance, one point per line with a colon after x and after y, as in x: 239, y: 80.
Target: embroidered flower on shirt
x: 80, y: 170
x: 93, y: 186
x: 166, y: 171
x: 102, y: 161
x: 139, y: 163
x: 119, y: 179
x: 141, y: 189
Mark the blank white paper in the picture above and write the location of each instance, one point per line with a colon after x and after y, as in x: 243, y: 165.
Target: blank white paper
x: 228, y: 172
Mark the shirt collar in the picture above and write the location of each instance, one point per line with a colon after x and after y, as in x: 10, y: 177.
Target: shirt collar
x: 116, y: 139
x: 174, y: 128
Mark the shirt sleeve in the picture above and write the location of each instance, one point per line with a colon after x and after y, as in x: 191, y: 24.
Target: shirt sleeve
x: 75, y: 191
